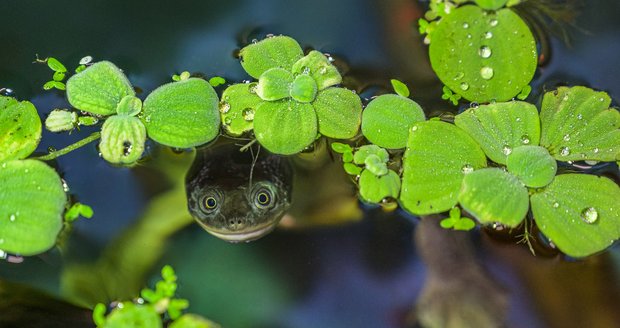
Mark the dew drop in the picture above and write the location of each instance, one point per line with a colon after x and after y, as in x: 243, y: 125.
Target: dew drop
x: 566, y: 137
x: 484, y: 52
x: 414, y: 128
x: 518, y: 119
x: 564, y: 151
x: 579, y: 116
x: 3, y: 165
x: 323, y: 70
x: 488, y: 35
x: 459, y: 76
x: 596, y: 150
x: 506, y: 150
x: 465, y: 25
x: 224, y: 107
x: 556, y: 205
x: 467, y: 168
x: 589, y: 215
x: 469, y: 36
x: 12, y: 218
x: 228, y: 121
x: 464, y: 86
x: 86, y: 60
x: 486, y: 72
x: 493, y: 22
x: 248, y: 114
x: 525, y: 139
x: 252, y: 87
x: 26, y: 171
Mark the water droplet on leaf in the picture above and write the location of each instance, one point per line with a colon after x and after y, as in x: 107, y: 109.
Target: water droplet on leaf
x: 493, y: 22
x: 564, y: 151
x: 467, y: 168
x: 224, y: 107
x: 465, y: 25
x: 486, y: 72
x: 484, y: 52
x: 525, y: 139
x: 488, y: 35
x: 556, y: 205
x: 589, y: 215
x: 227, y: 121
x: 464, y: 86
x: 248, y: 114
x: 566, y: 137
x: 506, y: 150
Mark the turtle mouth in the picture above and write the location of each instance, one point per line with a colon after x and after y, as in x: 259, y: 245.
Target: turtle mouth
x: 249, y: 233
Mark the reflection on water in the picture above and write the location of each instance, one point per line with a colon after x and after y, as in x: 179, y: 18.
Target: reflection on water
x: 365, y: 273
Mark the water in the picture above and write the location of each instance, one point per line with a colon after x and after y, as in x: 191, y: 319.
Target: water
x: 360, y: 274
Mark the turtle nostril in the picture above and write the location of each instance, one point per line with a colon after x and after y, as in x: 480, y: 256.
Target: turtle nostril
x: 236, y: 224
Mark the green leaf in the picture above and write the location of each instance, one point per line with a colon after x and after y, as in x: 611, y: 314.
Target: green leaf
x: 387, y: 119
x: 482, y: 55
x: 501, y: 127
x: 304, y: 88
x: 32, y: 200
x: 129, y: 105
x: 319, y: 68
x: 278, y: 51
x: 20, y: 129
x: 285, y: 127
x: 363, y: 152
x: 274, y: 84
x: 464, y: 224
x: 577, y: 124
x: 400, y: 88
x: 133, y: 316
x: 341, y: 148
x: 189, y: 320
x: 216, y: 81
x: 579, y: 213
x: 448, y: 223
x: 352, y: 169
x: 339, y: 112
x: 61, y: 120
x: 494, y: 195
x: 491, y: 4
x: 58, y: 76
x: 437, y: 158
x: 532, y: 165
x: 167, y: 273
x: 375, y: 165
x: 55, y: 65
x: 99, y: 314
x: 122, y: 139
x: 237, y: 108
x: 182, y: 114
x: 76, y: 210
x: 347, y: 156
x: 98, y: 89
x: 374, y: 188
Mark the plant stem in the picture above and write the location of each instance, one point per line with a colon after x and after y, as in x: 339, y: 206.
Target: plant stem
x: 57, y: 153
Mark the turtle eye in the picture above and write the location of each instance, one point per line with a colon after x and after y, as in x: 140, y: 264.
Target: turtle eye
x: 263, y: 198
x: 210, y: 203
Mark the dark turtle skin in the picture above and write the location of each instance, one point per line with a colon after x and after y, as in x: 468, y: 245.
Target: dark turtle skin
x: 238, y: 196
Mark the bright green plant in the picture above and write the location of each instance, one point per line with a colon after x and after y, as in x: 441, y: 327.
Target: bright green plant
x: 59, y: 73
x: 294, y: 100
x: 456, y: 222
x: 148, y: 310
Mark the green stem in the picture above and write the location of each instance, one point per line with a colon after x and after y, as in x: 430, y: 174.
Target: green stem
x: 57, y: 153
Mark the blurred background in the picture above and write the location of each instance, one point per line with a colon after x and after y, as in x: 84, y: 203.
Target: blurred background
x: 365, y: 273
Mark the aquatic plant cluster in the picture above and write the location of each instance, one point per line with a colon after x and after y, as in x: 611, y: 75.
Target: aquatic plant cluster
x: 497, y: 161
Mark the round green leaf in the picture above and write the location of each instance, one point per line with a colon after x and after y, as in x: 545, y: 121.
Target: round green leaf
x: 182, y: 114
x: 482, y: 55
x: 374, y: 188
x: 364, y: 151
x: 387, y: 119
x: 577, y: 124
x: 303, y: 88
x: 285, y: 127
x: 274, y: 84
x: 339, y: 112
x: 55, y: 65
x: 579, y: 213
x: 237, y: 108
x: 491, y: 4
x: 20, y: 129
x: 341, y: 148
x: 375, y: 165
x: 129, y: 105
x: 437, y: 158
x: 61, y: 120
x: 494, y: 195
x: 98, y: 89
x: 189, y: 320
x: 532, y: 165
x: 133, y: 316
x: 122, y: 139
x: 32, y: 200
x: 278, y: 51
x: 501, y: 127
x: 319, y: 68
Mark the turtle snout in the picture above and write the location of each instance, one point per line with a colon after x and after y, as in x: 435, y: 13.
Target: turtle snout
x: 236, y: 224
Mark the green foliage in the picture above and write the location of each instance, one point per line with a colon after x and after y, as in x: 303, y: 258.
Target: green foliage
x: 60, y: 120
x: 456, y: 222
x: 387, y: 119
x: 317, y: 66
x: 59, y: 73
x: 375, y: 188
x: 450, y: 96
x: 278, y: 51
x: 473, y: 53
x: 193, y: 321
x: 532, y: 165
x: 20, y: 128
x: 238, y: 116
x: 400, y: 88
x: 438, y: 157
x: 130, y: 315
x: 122, y: 139
x: 577, y: 124
x: 76, y: 210
x: 491, y: 4
x: 285, y: 126
x: 579, y: 213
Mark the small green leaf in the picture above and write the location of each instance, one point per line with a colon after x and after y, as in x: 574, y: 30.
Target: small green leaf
x: 447, y: 223
x: 501, y: 127
x: 58, y: 76
x: 189, y: 320
x: 87, y: 120
x: 278, y: 51
x: 579, y: 213
x: 471, y: 49
x: 80, y: 68
x: 341, y: 148
x: 216, y: 81
x: 176, y: 306
x: 55, y: 65
x: 319, y: 68
x: 347, y: 156
x: 129, y: 105
x: 352, y: 169
x: 363, y: 152
x: 524, y: 92
x: 61, y: 120
x: 464, y: 224
x: 27, y: 229
x: 20, y: 129
x: 274, y: 84
x: 375, y: 165
x: 99, y: 314
x: 122, y: 139
x: 339, y: 112
x: 491, y: 4
x: 182, y: 114
x: 285, y: 127
x: 374, y: 188
x: 455, y: 213
x: 493, y: 195
x: 167, y: 273
x: 303, y: 88
x: 438, y: 156
x: 387, y: 119
x: 400, y: 88
x: 237, y: 108
x: 577, y: 124
x: 98, y: 89
x: 133, y: 316
x: 76, y: 210
x: 532, y: 165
